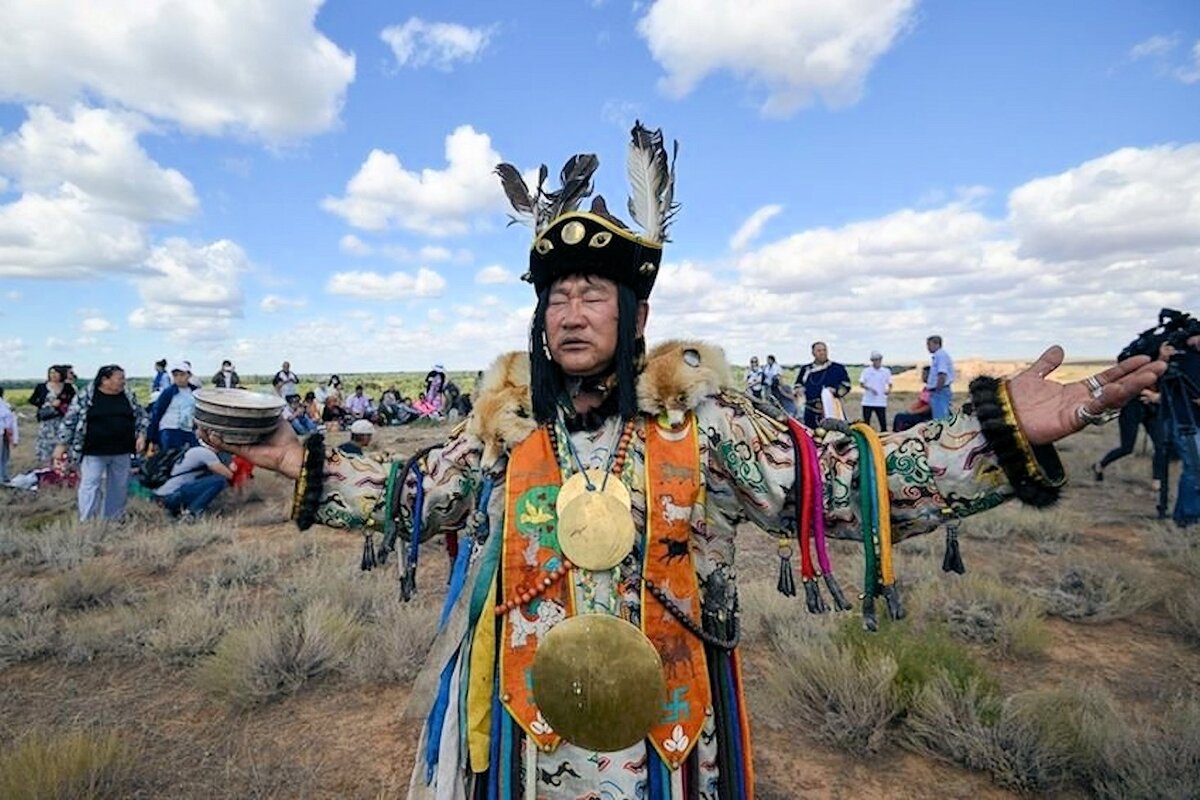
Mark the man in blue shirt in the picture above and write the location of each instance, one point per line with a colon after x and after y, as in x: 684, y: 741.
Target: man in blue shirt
x: 941, y: 375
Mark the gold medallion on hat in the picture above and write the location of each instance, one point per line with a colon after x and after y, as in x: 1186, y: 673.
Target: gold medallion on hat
x: 578, y: 483
x: 598, y: 681
x: 595, y: 531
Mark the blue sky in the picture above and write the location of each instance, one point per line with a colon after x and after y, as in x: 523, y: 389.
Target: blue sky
x: 291, y: 179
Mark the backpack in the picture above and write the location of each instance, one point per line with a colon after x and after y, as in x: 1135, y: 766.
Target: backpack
x: 156, y: 470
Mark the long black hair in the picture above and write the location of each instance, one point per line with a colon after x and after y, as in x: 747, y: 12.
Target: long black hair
x: 546, y: 380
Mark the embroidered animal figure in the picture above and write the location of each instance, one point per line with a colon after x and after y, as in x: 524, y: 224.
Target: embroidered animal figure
x: 675, y: 654
x: 672, y: 512
x: 676, y: 548
x: 549, y: 614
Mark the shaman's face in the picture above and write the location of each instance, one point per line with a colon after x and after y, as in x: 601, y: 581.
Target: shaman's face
x: 581, y: 324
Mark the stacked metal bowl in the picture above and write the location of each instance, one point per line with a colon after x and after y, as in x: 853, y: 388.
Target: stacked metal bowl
x: 238, y: 416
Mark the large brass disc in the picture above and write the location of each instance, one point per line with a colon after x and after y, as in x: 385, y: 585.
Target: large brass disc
x: 599, y: 682
x: 577, y: 485
x: 595, y: 531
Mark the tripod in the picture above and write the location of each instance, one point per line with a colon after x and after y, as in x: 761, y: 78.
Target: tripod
x: 1178, y: 416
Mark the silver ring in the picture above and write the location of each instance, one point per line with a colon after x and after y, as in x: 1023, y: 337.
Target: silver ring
x: 1094, y: 385
x: 1088, y: 418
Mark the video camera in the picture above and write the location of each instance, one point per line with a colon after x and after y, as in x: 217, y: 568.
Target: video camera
x: 1174, y: 328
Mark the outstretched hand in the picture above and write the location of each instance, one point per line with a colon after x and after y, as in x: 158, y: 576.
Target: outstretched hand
x: 1048, y: 411
x: 282, y: 452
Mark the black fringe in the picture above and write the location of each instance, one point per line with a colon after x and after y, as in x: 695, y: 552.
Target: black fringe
x: 314, y: 481
x: 835, y: 591
x: 1002, y: 438
x: 786, y: 585
x: 952, y: 559
x: 368, y: 554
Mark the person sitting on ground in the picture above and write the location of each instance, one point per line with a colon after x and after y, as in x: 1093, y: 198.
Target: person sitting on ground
x: 295, y: 413
x: 226, y: 377
x: 312, y: 408
x: 920, y: 410
x: 174, y: 414
x: 333, y: 413
x: 195, y: 482
x: 360, y: 438
x: 389, y: 406
x: 432, y: 401
x: 358, y: 405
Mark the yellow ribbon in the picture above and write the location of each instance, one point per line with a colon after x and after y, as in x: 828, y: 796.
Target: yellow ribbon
x: 882, y: 501
x: 479, y: 685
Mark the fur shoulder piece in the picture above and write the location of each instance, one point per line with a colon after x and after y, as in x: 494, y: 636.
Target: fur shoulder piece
x: 503, y: 413
x: 679, y: 374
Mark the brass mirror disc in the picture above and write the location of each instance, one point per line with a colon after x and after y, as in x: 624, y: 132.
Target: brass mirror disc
x: 595, y: 531
x: 599, y: 682
x: 577, y: 485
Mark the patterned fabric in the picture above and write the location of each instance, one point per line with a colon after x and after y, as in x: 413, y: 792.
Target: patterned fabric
x: 48, y: 429
x: 73, y: 432
x: 746, y: 463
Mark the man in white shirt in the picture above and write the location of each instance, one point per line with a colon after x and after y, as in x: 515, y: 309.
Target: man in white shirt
x: 358, y: 404
x: 876, y: 381
x: 285, y: 381
x: 754, y: 379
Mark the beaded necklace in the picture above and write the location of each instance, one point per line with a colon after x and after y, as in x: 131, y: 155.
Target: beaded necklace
x: 616, y: 465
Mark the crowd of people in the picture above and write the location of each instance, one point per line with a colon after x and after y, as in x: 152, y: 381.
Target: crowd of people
x: 820, y: 386
x: 100, y: 439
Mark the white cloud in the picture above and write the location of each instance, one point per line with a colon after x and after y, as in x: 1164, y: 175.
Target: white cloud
x: 95, y: 152
x: 795, y: 50
x: 273, y: 303
x: 14, y: 349
x: 383, y: 194
x: 418, y: 43
x: 96, y: 325
x: 12, y: 296
x: 88, y: 193
x: 1130, y: 203
x: 1086, y: 256
x: 192, y: 292
x: 1157, y: 45
x: 393, y: 286
x: 354, y: 246
x: 752, y: 227
x: 1190, y: 73
x: 494, y: 274
x: 1159, y: 50
x: 260, y: 67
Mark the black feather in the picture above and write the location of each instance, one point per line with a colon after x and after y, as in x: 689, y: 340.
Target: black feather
x: 576, y: 177
x: 517, y: 191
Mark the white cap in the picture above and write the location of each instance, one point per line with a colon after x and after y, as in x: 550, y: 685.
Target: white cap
x: 876, y: 354
x: 362, y: 427
x: 181, y: 366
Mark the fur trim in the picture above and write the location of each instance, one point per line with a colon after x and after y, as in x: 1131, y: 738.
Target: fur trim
x: 503, y: 413
x: 679, y: 374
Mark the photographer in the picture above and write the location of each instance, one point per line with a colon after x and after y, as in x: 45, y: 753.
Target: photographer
x: 1176, y: 339
x: 1143, y: 413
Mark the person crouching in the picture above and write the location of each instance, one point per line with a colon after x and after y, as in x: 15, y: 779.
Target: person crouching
x: 194, y: 484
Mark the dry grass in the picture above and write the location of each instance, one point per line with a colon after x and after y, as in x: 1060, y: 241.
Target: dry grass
x: 244, y: 565
x: 29, y: 637
x: 113, y: 633
x: 1096, y: 592
x: 1183, y: 606
x: 1051, y: 529
x: 190, y: 629
x: 1161, y: 760
x: 76, y: 766
x: 1033, y: 742
x: 96, y: 583
x: 981, y: 610
x: 276, y: 655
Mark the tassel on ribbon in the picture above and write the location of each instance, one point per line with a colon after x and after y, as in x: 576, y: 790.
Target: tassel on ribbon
x: 870, y: 619
x: 786, y: 585
x: 952, y: 559
x: 368, y: 554
x: 813, y: 598
x: 835, y: 591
